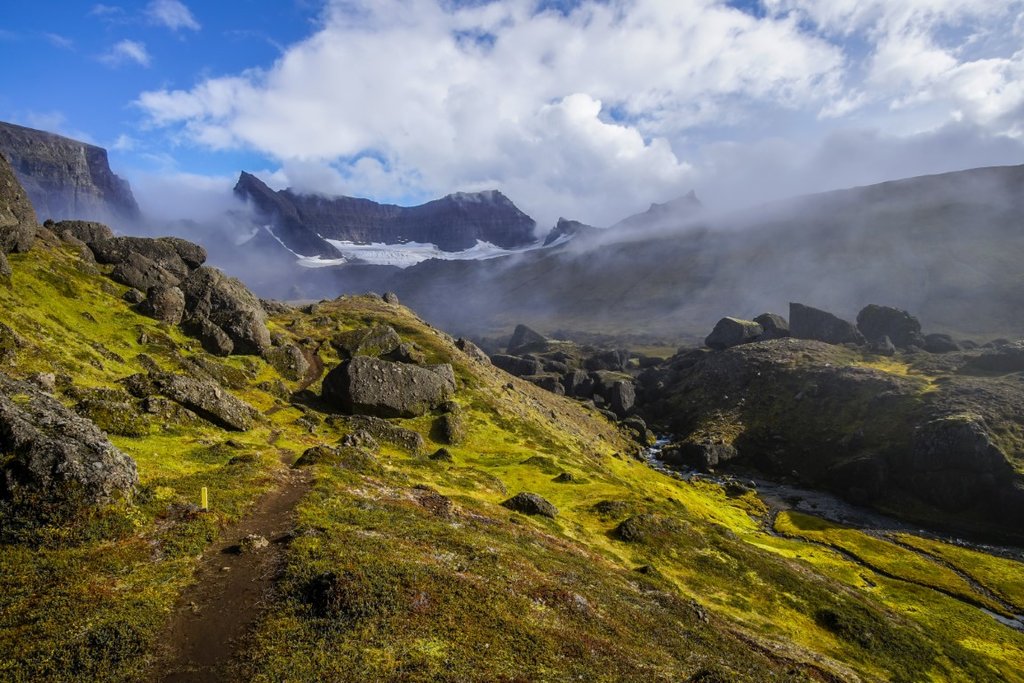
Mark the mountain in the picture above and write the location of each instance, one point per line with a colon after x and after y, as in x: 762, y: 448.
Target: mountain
x: 66, y: 178
x: 453, y: 223
x: 948, y: 247
x: 354, y: 495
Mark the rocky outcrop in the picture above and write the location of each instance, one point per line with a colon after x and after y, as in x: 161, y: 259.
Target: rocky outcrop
x: 731, y: 332
x: 806, y: 322
x: 206, y: 399
x: 166, y: 304
x: 17, y: 218
x: 566, y: 229
x: 371, y: 386
x: 224, y: 301
x: 65, y: 178
x: 56, y: 463
x: 524, y: 337
x: 774, y: 326
x: 453, y: 223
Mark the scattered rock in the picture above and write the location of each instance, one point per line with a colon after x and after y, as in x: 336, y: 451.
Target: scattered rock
x: 385, y: 431
x: 902, y: 329
x: 531, y: 504
x: 774, y: 326
x: 5, y: 266
x: 10, y: 342
x: 1006, y: 357
x: 701, y: 455
x: 371, y: 386
x: 547, y: 381
x: 47, y: 381
x: 193, y: 255
x: 578, y: 383
x: 520, y: 367
x: 472, y: 350
x: 390, y: 298
x: 522, y: 338
x: 142, y: 273
x: 378, y: 340
x: 565, y: 478
x: 134, y: 296
x: 166, y: 304
x: 253, y: 543
x: 56, y: 463
x: 290, y: 361
x: 213, y: 339
x: 731, y: 332
x: 645, y: 528
x: 83, y: 231
x: 228, y: 304
x: 343, y: 457
x: 940, y: 343
x: 407, y: 352
x: 806, y: 322
x: 441, y: 455
x: 206, y: 399
x: 360, y: 439
x: 450, y: 429
x: 883, y: 346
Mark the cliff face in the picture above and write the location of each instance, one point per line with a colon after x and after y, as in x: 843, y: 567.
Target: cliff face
x: 453, y: 223
x: 65, y: 178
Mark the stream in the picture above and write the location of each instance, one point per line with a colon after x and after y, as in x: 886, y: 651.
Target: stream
x: 780, y: 496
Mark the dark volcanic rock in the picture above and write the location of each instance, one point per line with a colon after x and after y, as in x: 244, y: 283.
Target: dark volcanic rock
x: 453, y: 223
x: 548, y: 382
x: 531, y: 504
x: 522, y: 338
x: 1004, y: 358
x: 806, y: 322
x: 207, y: 399
x: 378, y: 340
x: 56, y: 463
x: 514, y: 365
x: 731, y: 332
x: 902, y: 329
x: 191, y: 254
x: 229, y: 305
x: 472, y: 350
x: 166, y: 304
x: 883, y: 346
x: 699, y: 454
x: 290, y: 361
x: 66, y: 178
x: 85, y: 231
x: 385, y: 431
x: 17, y: 218
x: 371, y: 386
x: 5, y: 266
x: 213, y: 339
x: 774, y: 326
x: 940, y: 343
x: 450, y: 429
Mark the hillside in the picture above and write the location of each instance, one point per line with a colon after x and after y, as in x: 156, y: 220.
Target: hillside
x: 386, y: 558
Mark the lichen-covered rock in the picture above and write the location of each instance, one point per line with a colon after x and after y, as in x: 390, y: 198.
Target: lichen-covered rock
x: 142, y: 273
x: 371, y: 386
x: 290, y: 361
x: 228, y: 304
x: 10, y: 342
x: 5, y: 266
x: 407, y: 352
x: 206, y: 399
x: 699, y: 454
x: 55, y: 462
x: 731, y: 332
x: 806, y: 322
x: 390, y: 298
x: 441, y: 455
x: 17, y: 217
x: 117, y: 250
x: 531, y: 504
x: 450, y: 429
x: 547, y: 381
x: 646, y: 528
x: 383, y: 430
x: 213, y: 339
x: 1008, y: 357
x: 883, y: 346
x: 940, y: 343
x: 192, y: 254
x: 344, y: 457
x: 378, y: 340
x: 472, y: 350
x: 166, y: 304
x: 902, y: 329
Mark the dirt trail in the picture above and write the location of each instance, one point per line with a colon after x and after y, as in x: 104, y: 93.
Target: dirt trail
x: 230, y: 589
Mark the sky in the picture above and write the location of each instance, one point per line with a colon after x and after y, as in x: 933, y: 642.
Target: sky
x: 588, y: 109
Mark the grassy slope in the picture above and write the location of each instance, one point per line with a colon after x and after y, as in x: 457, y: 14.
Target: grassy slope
x: 444, y: 584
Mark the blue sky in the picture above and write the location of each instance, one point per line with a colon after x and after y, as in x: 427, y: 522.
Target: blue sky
x: 585, y: 108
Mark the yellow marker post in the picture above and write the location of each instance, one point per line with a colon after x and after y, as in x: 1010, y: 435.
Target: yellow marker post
x: 204, y: 500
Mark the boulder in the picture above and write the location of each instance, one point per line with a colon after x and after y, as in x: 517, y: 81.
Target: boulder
x: 343, y: 457
x: 806, y: 322
x: 17, y: 217
x: 166, y: 304
x: 290, y: 361
x: 213, y: 339
x: 731, y: 332
x: 902, y: 329
x: 190, y: 253
x: 372, y: 386
x: 10, y: 342
x: 514, y: 365
x: 1008, y: 357
x: 613, y: 360
x: 548, y: 382
x: 472, y: 350
x: 207, y: 399
x: 774, y: 326
x: 378, y: 340
x: 116, y: 250
x: 56, y: 463
x: 133, y: 296
x: 407, y: 352
x: 940, y: 343
x: 578, y: 383
x: 617, y: 390
x: 701, y: 455
x: 383, y: 430
x: 142, y: 273
x: 441, y: 455
x: 522, y: 338
x: 83, y: 231
x: 450, y: 429
x: 5, y: 266
x: 531, y: 504
x: 390, y: 298
x: 228, y: 304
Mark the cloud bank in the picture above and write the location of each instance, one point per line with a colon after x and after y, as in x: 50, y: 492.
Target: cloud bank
x: 595, y: 109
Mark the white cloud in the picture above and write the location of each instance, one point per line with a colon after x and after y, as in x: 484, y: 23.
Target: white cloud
x: 597, y: 111
x: 57, y: 40
x: 173, y: 14
x: 126, y: 51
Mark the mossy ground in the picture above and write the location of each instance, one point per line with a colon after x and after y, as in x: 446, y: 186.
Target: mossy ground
x: 413, y: 571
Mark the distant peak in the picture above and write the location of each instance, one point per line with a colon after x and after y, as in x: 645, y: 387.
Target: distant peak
x: 482, y: 197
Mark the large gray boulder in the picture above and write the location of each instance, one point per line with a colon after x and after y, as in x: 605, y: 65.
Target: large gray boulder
x: 206, y: 399
x: 166, y: 304
x: 371, y: 386
x: 83, y: 231
x: 806, y: 322
x: 523, y: 338
x: 228, y: 304
x: 157, y: 251
x: 774, y: 326
x: 531, y: 504
x: 17, y: 217
x: 514, y: 365
x: 55, y: 463
x: 377, y: 340
x: 731, y: 332
x: 902, y: 329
